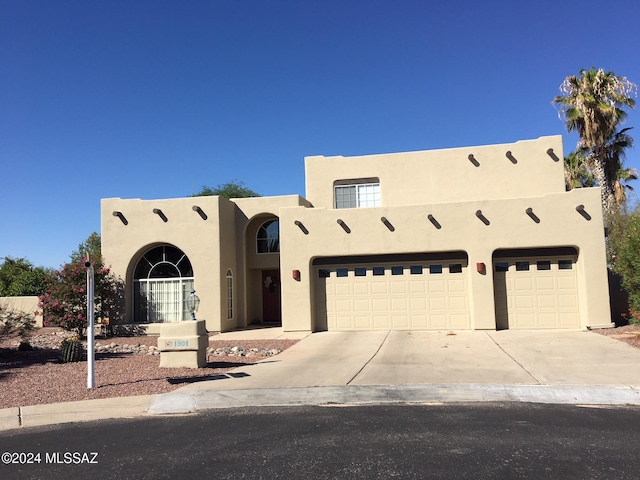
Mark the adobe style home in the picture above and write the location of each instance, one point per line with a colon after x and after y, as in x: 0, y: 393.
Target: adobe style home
x: 479, y: 238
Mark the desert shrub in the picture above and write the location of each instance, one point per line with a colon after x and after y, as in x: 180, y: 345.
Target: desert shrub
x: 15, y: 322
x: 626, y: 261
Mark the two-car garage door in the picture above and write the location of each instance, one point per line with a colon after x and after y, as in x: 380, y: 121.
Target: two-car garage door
x: 418, y: 293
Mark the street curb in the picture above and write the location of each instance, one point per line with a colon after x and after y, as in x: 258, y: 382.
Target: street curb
x: 180, y: 402
x: 71, y: 412
x: 172, y: 403
x: 9, y: 418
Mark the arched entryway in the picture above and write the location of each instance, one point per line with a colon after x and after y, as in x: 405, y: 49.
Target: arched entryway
x: 268, y: 242
x: 162, y: 280
x: 263, y: 270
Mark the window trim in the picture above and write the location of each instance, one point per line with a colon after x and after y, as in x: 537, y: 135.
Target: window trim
x: 143, y: 277
x: 356, y: 184
x: 266, y: 238
x: 229, y: 294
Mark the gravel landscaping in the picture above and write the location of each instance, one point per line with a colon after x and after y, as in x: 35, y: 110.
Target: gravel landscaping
x: 127, y: 366
x: 628, y: 334
x: 124, y: 366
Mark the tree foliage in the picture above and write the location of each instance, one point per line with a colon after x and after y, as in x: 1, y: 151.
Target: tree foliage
x: 577, y: 173
x: 592, y: 105
x: 91, y: 248
x: 625, y: 244
x: 18, y: 277
x: 233, y: 189
x: 64, y: 302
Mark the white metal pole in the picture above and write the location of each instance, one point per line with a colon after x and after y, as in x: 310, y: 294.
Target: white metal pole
x: 90, y: 327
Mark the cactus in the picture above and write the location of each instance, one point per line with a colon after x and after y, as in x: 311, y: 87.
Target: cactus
x: 70, y: 350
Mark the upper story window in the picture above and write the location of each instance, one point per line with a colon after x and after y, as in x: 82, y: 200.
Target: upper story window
x: 357, y: 193
x: 268, y: 240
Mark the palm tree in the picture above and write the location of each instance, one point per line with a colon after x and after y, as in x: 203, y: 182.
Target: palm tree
x: 592, y: 106
x: 616, y: 153
x: 577, y: 172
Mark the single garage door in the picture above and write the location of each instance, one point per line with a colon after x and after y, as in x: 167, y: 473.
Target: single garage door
x: 536, y: 292
x: 429, y: 295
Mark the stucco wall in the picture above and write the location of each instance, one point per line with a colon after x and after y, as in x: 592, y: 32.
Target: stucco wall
x: 502, y: 182
x: 28, y: 304
x: 509, y: 227
x: 199, y: 238
x: 444, y: 176
x: 215, y: 238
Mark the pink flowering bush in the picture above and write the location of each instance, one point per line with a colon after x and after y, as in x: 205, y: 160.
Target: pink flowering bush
x: 64, y: 303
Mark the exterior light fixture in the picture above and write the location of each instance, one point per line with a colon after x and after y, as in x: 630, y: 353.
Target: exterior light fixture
x: 193, y: 302
x: 553, y: 155
x: 296, y: 275
x: 511, y: 158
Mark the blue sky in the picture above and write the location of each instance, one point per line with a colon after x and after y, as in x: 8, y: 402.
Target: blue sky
x: 153, y: 99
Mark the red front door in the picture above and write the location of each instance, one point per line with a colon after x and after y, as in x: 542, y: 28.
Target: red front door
x: 271, y: 296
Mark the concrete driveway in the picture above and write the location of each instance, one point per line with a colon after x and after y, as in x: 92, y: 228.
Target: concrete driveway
x: 562, y: 367
x: 506, y: 357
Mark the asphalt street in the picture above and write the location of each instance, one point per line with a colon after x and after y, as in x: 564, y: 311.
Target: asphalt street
x: 479, y: 441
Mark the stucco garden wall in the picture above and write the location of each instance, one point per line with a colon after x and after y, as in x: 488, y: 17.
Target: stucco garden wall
x: 28, y: 304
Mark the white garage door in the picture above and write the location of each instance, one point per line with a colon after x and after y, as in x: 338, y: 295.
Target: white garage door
x: 386, y: 296
x: 536, y: 292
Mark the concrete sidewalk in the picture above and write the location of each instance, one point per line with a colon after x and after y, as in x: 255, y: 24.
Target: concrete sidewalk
x: 573, y: 367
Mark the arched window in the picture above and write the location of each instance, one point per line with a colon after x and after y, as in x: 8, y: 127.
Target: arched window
x: 229, y: 294
x: 162, y: 281
x: 268, y: 240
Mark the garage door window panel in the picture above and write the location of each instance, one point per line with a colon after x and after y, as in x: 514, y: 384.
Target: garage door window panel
x: 502, y: 267
x: 542, y: 265
x: 565, y: 264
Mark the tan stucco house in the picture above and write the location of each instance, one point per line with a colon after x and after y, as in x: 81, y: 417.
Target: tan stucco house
x: 465, y: 238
